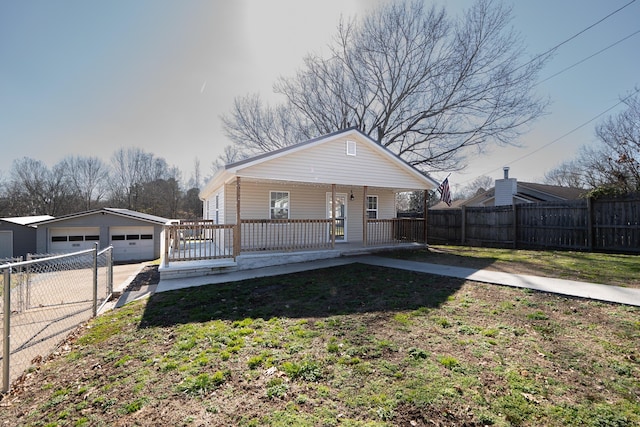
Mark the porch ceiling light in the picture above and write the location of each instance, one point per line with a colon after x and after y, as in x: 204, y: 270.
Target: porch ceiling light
x: 352, y: 197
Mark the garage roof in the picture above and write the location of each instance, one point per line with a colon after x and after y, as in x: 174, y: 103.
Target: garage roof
x: 27, y: 220
x: 113, y: 211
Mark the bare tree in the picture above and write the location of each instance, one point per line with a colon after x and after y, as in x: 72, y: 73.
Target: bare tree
x: 567, y: 174
x: 38, y: 190
x: 426, y: 86
x: 620, y: 138
x: 262, y: 128
x: 196, y: 178
x: 613, y: 165
x: 131, y: 169
x: 231, y: 154
x: 477, y: 186
x: 89, y: 177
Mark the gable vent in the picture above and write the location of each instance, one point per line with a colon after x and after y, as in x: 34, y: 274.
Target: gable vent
x: 351, y: 148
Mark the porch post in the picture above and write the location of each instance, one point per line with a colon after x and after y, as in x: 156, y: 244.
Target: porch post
x: 426, y: 199
x: 333, y: 216
x: 237, y: 234
x: 365, y: 218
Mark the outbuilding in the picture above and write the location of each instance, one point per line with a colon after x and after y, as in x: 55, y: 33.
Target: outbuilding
x: 135, y: 236
x: 18, y: 236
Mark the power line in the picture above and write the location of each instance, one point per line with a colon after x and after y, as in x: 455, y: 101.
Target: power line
x: 588, y: 57
x: 575, y: 35
x: 563, y: 136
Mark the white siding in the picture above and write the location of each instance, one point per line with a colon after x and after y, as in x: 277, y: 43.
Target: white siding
x: 306, y: 202
x: 209, y: 207
x: 505, y: 189
x: 328, y: 162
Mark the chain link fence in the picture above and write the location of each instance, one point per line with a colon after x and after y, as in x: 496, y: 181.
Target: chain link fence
x: 44, y: 298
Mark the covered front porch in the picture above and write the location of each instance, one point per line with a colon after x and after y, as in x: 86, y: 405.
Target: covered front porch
x: 198, y: 248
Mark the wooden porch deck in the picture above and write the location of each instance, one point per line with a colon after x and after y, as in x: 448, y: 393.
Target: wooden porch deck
x: 198, y: 247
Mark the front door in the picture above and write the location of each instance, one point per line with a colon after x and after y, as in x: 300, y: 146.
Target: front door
x: 341, y: 216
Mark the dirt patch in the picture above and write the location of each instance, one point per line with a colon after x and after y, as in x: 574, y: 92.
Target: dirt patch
x: 148, y: 276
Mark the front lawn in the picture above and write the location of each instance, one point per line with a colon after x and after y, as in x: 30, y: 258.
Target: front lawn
x: 608, y: 269
x: 351, y: 346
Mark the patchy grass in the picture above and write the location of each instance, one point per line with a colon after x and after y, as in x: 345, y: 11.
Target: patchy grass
x: 353, y: 345
x: 608, y: 269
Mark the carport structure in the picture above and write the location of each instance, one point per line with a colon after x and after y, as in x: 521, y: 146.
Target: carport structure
x: 135, y: 236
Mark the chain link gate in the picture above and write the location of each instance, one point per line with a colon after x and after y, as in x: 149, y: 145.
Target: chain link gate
x: 44, y: 298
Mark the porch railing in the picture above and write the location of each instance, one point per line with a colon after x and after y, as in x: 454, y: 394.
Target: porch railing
x: 198, y: 240
x: 284, y: 234
x: 204, y: 240
x: 395, y: 231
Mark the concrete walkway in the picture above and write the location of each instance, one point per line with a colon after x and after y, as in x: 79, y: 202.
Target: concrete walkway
x: 615, y: 294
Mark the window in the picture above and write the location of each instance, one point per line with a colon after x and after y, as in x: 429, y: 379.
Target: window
x: 76, y: 238
x: 372, y: 207
x: 58, y: 238
x: 351, y: 148
x: 146, y: 237
x: 117, y: 237
x: 279, y: 205
x: 92, y: 238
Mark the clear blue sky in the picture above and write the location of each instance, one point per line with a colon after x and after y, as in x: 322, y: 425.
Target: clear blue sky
x: 84, y: 77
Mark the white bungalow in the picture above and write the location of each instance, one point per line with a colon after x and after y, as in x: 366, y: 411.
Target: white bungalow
x: 316, y: 199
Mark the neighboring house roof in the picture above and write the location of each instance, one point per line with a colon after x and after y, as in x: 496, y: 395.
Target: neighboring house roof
x: 27, y: 220
x: 318, y: 167
x: 529, y: 192
x: 565, y: 193
x: 114, y: 211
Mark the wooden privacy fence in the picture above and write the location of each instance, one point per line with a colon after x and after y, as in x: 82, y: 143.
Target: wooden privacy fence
x: 608, y: 225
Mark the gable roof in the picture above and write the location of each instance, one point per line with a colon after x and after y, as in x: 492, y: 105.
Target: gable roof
x: 113, y: 211
x: 292, y: 156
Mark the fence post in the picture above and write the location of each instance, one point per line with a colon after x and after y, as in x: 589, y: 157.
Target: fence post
x: 95, y: 279
x: 426, y: 210
x: 6, y: 348
x: 590, y: 223
x: 165, y: 239
x: 515, y: 226
x: 237, y: 234
x: 463, y: 233
x: 110, y: 272
x: 27, y: 279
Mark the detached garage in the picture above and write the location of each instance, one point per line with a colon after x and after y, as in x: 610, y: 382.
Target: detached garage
x: 135, y: 236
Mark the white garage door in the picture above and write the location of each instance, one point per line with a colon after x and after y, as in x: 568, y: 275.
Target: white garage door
x: 72, y: 239
x: 132, y: 243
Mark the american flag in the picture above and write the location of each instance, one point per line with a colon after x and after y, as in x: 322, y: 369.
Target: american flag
x: 445, y: 192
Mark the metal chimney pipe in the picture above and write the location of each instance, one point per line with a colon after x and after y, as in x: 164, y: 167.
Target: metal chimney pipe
x: 506, y: 172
